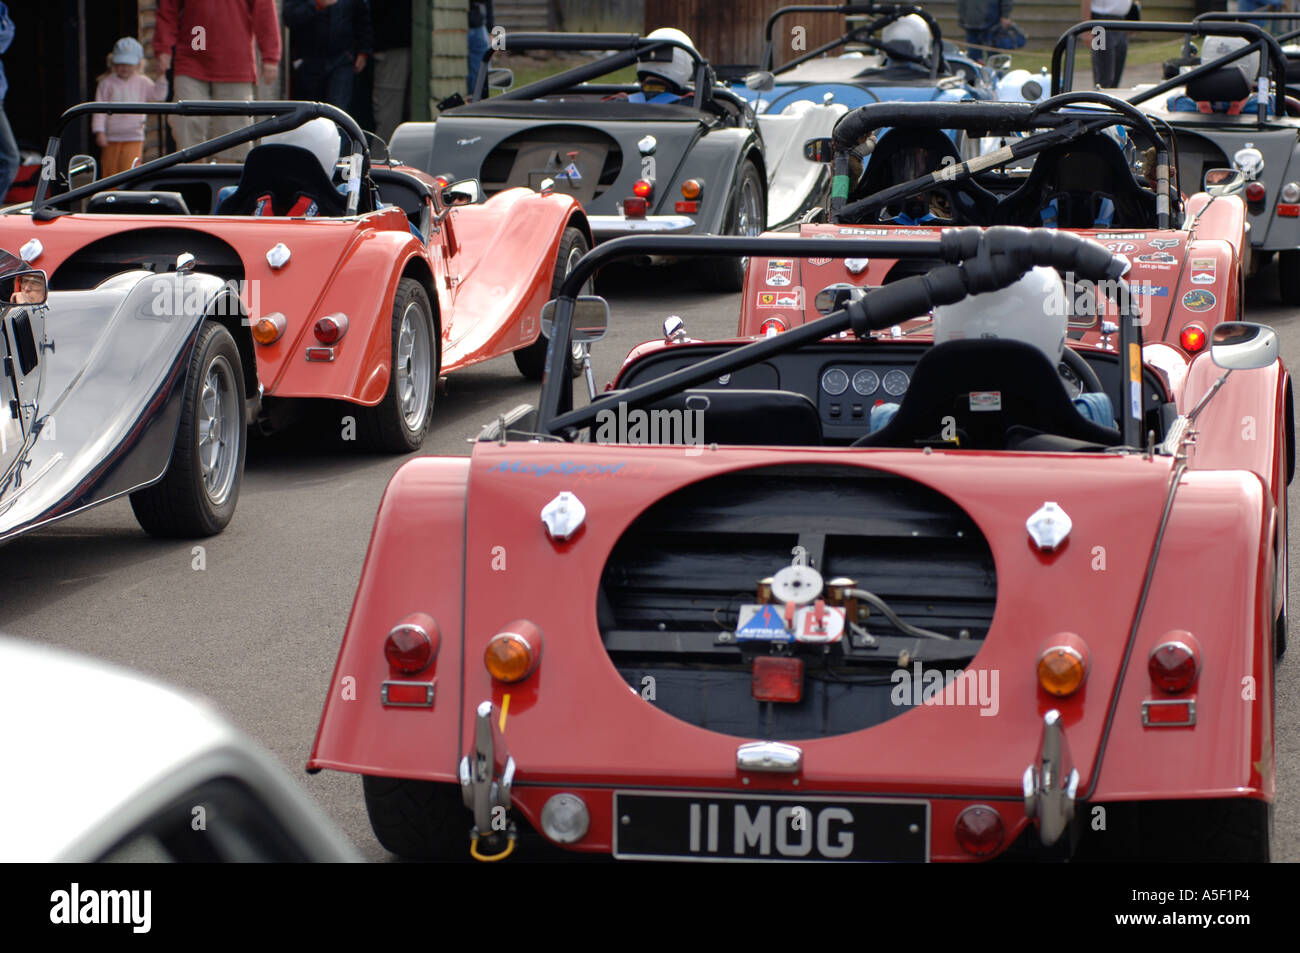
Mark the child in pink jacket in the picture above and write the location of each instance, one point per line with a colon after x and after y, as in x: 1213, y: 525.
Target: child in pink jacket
x: 120, y: 136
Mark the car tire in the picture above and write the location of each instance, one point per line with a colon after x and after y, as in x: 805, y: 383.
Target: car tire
x: 422, y: 820
x: 1288, y: 276
x: 531, y: 360
x: 399, y: 422
x: 746, y: 215
x: 198, y: 492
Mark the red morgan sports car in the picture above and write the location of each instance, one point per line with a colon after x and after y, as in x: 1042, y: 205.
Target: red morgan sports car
x: 706, y: 618
x: 1067, y: 163
x: 357, y: 282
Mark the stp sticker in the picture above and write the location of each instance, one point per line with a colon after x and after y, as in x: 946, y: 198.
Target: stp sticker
x: 781, y: 299
x: 779, y: 271
x: 1121, y: 246
x: 1158, y: 258
x: 1202, y: 271
x: 984, y: 400
x: 1159, y: 243
x: 1198, y: 299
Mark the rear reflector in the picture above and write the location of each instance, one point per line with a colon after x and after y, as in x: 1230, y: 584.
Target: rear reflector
x: 1287, y: 210
x: 1192, y: 338
x: 979, y: 830
x: 686, y: 206
x: 634, y: 207
x: 407, y: 694
x: 1169, y: 714
x: 325, y: 354
x: 778, y: 679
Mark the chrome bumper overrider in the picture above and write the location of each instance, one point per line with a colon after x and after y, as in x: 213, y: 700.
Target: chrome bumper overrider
x: 605, y: 227
x: 486, y: 797
x: 1050, y: 784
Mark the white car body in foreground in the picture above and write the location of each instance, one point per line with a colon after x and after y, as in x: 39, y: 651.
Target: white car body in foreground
x: 104, y: 764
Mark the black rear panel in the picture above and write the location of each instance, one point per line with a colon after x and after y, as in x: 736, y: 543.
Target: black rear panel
x: 674, y: 584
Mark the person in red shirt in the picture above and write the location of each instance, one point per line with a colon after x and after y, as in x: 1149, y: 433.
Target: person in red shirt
x: 210, y: 44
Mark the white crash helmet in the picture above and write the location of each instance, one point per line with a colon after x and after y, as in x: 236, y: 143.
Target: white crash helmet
x: 320, y: 137
x: 677, y: 72
x: 1032, y: 310
x: 1216, y: 46
x: 909, y: 34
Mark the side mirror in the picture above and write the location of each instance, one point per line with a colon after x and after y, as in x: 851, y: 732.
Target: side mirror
x: 999, y: 62
x: 762, y: 81
x: 82, y: 167
x: 818, y: 150
x: 590, y: 318
x: 1224, y: 181
x: 464, y: 192
x: 500, y: 78
x: 24, y: 287
x: 833, y: 297
x: 1241, y: 346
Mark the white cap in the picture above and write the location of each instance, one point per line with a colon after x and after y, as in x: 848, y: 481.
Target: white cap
x: 1217, y: 46
x: 1030, y: 310
x: 909, y: 34
x: 320, y: 137
x: 677, y: 72
x: 127, y: 50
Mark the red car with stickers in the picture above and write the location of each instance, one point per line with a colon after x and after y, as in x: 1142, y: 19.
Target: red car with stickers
x: 705, y: 618
x: 358, y: 283
x: 1060, y: 163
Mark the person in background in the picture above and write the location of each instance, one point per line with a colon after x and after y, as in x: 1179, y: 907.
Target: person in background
x: 1108, y: 55
x: 1265, y: 6
x: 120, y: 136
x: 330, y: 40
x: 392, y: 62
x: 477, y: 40
x: 9, y: 158
x: 212, y: 45
x: 979, y: 18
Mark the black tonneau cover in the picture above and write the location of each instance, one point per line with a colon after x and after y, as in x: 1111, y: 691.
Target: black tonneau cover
x: 618, y: 111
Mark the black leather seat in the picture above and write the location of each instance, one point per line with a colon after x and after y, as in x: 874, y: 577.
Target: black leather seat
x: 286, y: 173
x: 920, y: 151
x: 1030, y: 399
x: 1076, y: 175
x: 1227, y: 84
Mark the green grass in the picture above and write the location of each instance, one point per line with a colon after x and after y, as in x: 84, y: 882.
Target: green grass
x: 1140, y: 53
x: 529, y: 69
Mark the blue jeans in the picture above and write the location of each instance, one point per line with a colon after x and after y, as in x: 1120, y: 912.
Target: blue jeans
x: 477, y: 42
x: 977, y: 36
x: 326, y: 80
x: 9, y: 159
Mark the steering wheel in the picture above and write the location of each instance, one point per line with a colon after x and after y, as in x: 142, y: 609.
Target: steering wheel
x: 1081, y: 369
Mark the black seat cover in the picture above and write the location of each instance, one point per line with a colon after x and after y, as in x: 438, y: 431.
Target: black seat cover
x: 285, y: 172
x: 138, y: 203
x: 1074, y: 174
x: 775, y: 418
x: 1227, y: 84
x: 1030, y: 393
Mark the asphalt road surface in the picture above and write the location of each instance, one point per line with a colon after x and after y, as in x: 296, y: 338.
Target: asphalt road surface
x: 257, y: 630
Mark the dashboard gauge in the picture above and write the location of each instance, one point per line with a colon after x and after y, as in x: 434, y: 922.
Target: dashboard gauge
x: 1073, y: 385
x: 835, y: 382
x: 896, y: 383
x: 866, y: 382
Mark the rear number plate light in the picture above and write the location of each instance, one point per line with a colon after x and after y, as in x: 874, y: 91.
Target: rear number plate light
x: 407, y: 694
x: 1169, y: 713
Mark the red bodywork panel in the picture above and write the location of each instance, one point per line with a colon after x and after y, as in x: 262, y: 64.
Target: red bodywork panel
x: 488, y: 269
x: 574, y: 725
x: 1191, y: 276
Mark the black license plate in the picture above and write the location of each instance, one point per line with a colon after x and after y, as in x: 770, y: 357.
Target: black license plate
x: 728, y: 827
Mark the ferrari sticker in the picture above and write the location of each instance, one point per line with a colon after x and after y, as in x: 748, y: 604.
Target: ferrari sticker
x: 1202, y: 271
x: 1162, y: 243
x: 779, y: 271
x: 781, y: 299
x: 985, y: 400
x: 1158, y: 258
x: 762, y: 624
x: 1198, y: 300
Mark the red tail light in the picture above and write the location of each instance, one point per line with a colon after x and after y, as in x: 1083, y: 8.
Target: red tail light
x: 413, y: 643
x: 979, y: 830
x: 642, y: 188
x: 634, y: 208
x: 1175, y: 662
x: 1193, y: 339
x: 1255, y: 192
x: 331, y: 328
x: 778, y: 678
x: 773, y: 325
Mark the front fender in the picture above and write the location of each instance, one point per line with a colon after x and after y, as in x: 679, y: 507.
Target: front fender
x: 415, y: 563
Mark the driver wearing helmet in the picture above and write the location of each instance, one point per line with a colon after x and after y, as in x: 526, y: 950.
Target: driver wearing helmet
x: 1213, y: 48
x: 1032, y: 310
x: 665, y: 81
x: 907, y: 42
